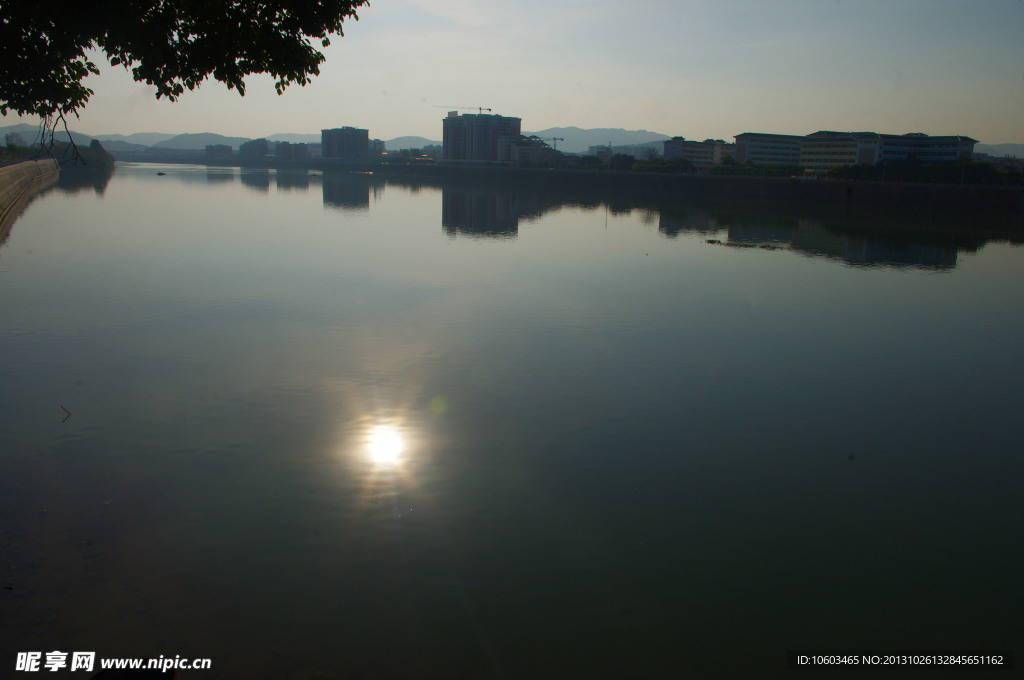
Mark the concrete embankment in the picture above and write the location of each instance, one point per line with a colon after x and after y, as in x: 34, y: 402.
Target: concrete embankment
x: 19, y: 182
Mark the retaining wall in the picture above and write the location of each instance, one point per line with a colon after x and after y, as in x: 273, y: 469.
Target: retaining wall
x: 19, y: 182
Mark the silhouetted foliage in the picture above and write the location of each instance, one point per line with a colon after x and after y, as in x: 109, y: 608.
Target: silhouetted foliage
x: 730, y: 167
x: 93, y: 158
x: 621, y: 161
x: 170, y: 44
x: 665, y: 165
x: 912, y: 170
x: 589, y: 163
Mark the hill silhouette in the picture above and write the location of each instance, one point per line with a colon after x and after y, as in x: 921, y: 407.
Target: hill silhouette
x: 199, y: 141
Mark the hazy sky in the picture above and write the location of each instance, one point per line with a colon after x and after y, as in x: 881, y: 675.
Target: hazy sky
x: 696, y: 68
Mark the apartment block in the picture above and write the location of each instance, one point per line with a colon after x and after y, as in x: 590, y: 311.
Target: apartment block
x: 257, y: 148
x: 480, y: 137
x: 346, y: 143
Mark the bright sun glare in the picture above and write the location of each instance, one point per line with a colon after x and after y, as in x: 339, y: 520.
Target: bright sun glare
x: 386, y: 445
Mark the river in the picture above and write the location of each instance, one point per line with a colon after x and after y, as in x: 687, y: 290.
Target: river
x: 345, y: 426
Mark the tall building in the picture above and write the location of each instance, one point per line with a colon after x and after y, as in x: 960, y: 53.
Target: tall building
x: 479, y: 213
x: 346, y: 143
x: 479, y: 137
x: 257, y: 148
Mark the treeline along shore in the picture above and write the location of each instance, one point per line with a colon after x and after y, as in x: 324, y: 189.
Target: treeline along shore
x: 27, y: 171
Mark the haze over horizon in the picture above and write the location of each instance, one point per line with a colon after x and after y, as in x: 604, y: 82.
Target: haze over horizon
x: 698, y: 69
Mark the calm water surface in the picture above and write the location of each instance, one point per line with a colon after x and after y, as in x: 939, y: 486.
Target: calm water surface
x: 343, y: 427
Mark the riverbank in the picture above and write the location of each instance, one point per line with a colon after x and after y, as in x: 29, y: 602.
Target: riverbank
x: 19, y: 183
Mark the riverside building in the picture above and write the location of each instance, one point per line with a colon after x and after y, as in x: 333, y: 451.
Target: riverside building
x: 826, y: 149
x: 704, y: 154
x: 482, y: 137
x: 347, y: 143
x: 768, y: 149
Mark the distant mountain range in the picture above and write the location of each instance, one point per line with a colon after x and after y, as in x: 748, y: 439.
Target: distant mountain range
x: 295, y: 138
x: 410, y: 143
x: 30, y: 133
x: 199, y: 141
x: 140, y: 141
x: 137, y: 139
x: 577, y: 140
x: 571, y: 139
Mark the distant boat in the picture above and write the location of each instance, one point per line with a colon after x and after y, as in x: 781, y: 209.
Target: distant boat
x: 161, y: 173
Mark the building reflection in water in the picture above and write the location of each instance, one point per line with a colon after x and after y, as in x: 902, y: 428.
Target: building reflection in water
x: 292, y: 179
x: 215, y: 175
x: 348, y: 191
x: 257, y: 179
x: 491, y: 213
x: 813, y: 238
x: 479, y: 213
x: 817, y: 238
x: 673, y: 223
x: 488, y: 211
x: 768, y: 234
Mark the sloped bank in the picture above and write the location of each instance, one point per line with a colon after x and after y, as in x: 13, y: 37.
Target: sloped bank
x: 21, y: 181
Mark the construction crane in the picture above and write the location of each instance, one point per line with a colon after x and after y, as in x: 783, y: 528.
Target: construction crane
x: 554, y: 141
x: 479, y: 109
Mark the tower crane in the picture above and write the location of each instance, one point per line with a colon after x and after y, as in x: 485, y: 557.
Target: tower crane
x: 554, y: 141
x: 479, y: 109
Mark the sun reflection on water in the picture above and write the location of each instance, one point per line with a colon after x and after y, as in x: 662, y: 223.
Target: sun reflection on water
x: 385, y: 446
x: 387, y: 466
x: 382, y: 454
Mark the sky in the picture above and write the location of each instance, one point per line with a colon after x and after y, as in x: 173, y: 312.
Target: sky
x: 694, y: 68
